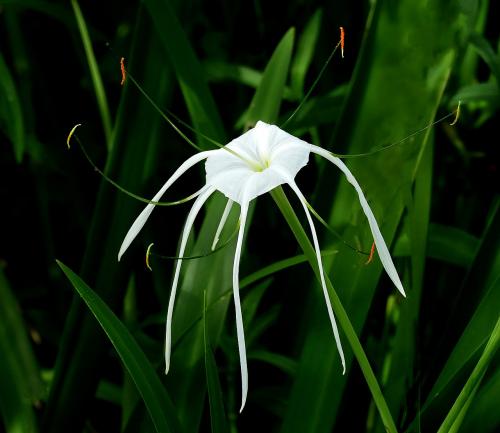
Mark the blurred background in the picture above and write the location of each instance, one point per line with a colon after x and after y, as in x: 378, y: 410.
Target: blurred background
x: 220, y: 66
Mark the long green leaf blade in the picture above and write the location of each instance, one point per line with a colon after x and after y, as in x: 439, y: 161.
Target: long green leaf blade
x: 188, y: 69
x: 100, y: 94
x: 135, y: 361
x: 266, y: 101
x: 10, y: 110
x: 20, y: 383
x: 456, y: 413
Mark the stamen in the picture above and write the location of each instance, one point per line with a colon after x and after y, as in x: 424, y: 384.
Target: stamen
x: 313, y: 86
x: 342, y: 38
x: 457, y: 114
x: 384, y: 148
x: 372, y: 252
x: 121, y: 188
x: 176, y: 129
x: 148, y: 252
x: 124, y: 72
x: 71, y: 133
x: 332, y: 231
x: 201, y: 256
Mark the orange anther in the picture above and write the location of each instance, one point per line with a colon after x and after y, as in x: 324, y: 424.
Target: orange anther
x: 124, y: 72
x: 372, y: 252
x: 342, y: 36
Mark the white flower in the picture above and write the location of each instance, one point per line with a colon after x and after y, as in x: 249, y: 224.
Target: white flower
x: 251, y: 165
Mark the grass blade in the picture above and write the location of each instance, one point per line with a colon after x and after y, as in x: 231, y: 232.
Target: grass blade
x: 135, y: 361
x: 100, y: 94
x: 188, y: 69
x: 305, y: 52
x: 483, y: 411
x: 266, y: 101
x: 20, y: 383
x: 217, y: 412
x: 451, y: 245
x: 451, y: 422
x: 10, y: 111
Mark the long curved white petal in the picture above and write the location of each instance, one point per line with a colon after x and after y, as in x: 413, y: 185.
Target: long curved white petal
x: 240, y: 332
x: 303, y: 201
x: 383, y: 251
x: 144, y: 215
x: 222, y: 222
x: 207, y: 192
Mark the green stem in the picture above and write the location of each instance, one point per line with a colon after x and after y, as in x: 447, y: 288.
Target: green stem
x: 340, y: 313
x: 456, y: 414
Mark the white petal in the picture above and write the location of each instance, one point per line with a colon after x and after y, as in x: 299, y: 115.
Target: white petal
x: 144, y: 215
x: 222, y: 222
x: 382, y: 249
x: 231, y: 182
x: 236, y: 294
x: 302, y: 199
x: 207, y: 192
x: 262, y: 147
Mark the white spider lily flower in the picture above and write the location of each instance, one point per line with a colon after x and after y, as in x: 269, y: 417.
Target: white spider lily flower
x: 251, y: 165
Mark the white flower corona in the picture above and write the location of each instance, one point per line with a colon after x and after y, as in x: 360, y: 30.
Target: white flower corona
x: 251, y: 165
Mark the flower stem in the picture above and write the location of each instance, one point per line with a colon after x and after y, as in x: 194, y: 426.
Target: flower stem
x: 340, y: 313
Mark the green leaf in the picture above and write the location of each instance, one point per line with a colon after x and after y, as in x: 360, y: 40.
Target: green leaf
x: 46, y: 7
x: 473, y: 338
x: 276, y: 267
x: 451, y: 245
x: 284, y: 363
x: 20, y: 382
x: 485, y: 50
x: 100, y: 94
x: 188, y: 69
x: 217, y: 413
x: 472, y: 318
x: 483, y: 411
x: 481, y: 92
x: 266, y: 102
x: 454, y: 418
x: 305, y: 52
x: 11, y: 115
x: 221, y: 71
x: 109, y: 392
x: 135, y: 361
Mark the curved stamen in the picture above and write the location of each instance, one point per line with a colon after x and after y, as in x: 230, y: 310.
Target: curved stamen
x: 185, y: 235
x: 382, y: 249
x: 144, y: 215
